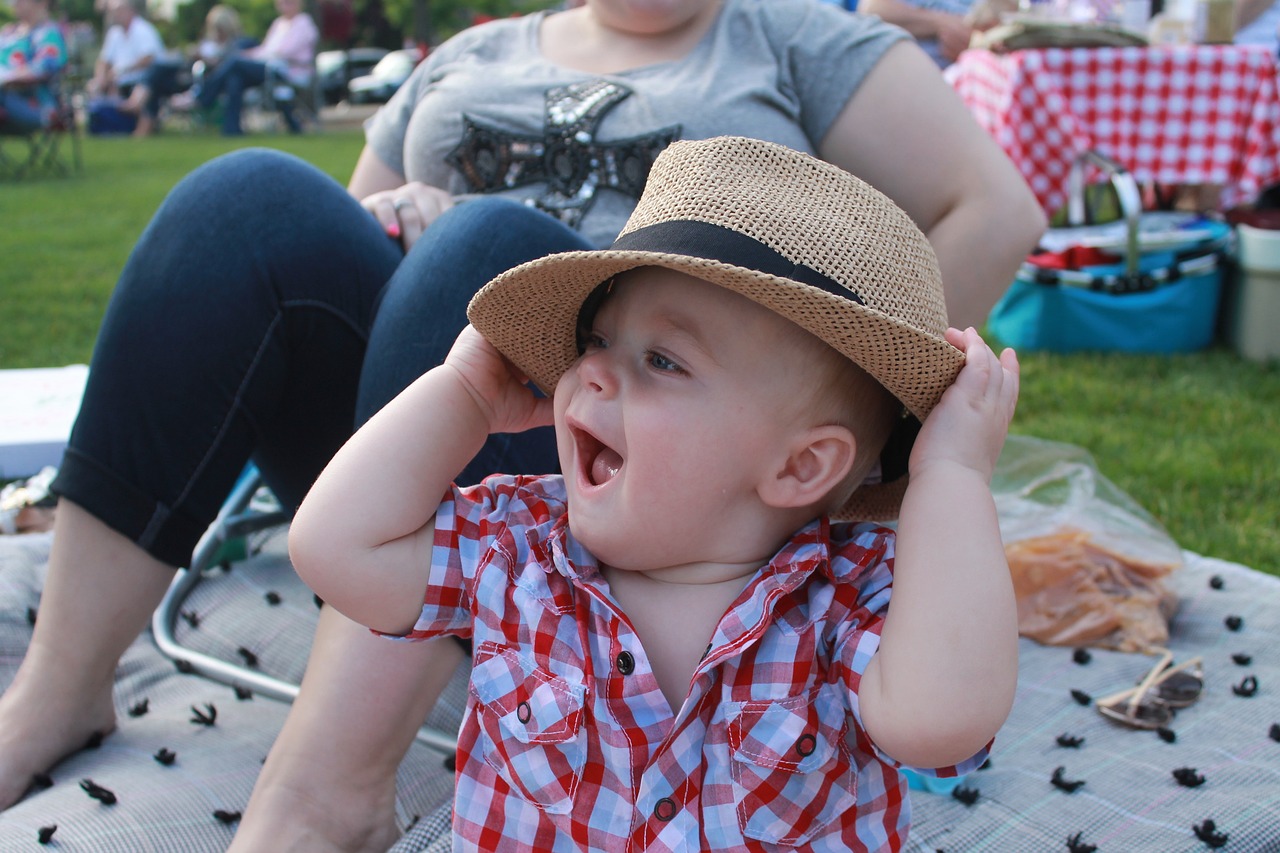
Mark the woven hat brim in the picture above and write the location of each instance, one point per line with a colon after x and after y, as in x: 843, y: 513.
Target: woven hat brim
x: 530, y: 314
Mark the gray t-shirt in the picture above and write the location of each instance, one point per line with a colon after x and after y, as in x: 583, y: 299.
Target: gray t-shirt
x: 486, y: 112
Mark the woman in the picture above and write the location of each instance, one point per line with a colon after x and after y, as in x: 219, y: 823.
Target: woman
x: 32, y: 53
x: 310, y: 310
x: 288, y: 50
x: 166, y: 77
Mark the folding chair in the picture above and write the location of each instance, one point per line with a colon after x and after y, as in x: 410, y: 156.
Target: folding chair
x: 248, y: 510
x: 307, y: 99
x: 39, y: 151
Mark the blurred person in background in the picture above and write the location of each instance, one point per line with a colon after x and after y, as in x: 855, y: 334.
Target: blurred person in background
x: 288, y: 50
x: 169, y: 75
x: 129, y: 48
x: 32, y: 53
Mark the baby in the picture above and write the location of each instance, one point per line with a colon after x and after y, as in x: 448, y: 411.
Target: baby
x: 676, y: 646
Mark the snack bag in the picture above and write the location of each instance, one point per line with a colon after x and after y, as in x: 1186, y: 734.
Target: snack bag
x: 1088, y: 563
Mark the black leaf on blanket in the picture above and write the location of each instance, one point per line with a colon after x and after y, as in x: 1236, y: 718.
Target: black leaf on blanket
x: 965, y: 794
x: 1241, y: 659
x: 183, y: 666
x: 1081, y: 697
x: 42, y: 780
x: 99, y: 793
x: 165, y: 756
x: 191, y: 618
x: 1246, y: 688
x: 1059, y: 781
x: 1274, y: 732
x: 273, y: 598
x: 45, y: 835
x: 204, y: 718
x: 94, y: 741
x: 250, y: 659
x: 1075, y: 845
x: 1216, y: 582
x: 140, y: 708
x: 1208, y: 833
x: 1167, y: 735
x: 226, y: 816
x: 31, y: 615
x: 1081, y: 656
x: 1070, y: 741
x: 243, y: 693
x: 1233, y: 623
x: 1188, y: 777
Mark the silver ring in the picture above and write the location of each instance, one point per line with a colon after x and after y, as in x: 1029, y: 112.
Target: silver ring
x: 401, y: 203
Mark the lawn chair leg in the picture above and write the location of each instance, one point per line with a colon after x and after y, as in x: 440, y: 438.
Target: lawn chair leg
x: 235, y: 519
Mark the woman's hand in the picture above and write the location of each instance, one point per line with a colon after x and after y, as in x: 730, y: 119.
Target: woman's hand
x: 969, y: 425
x: 406, y: 211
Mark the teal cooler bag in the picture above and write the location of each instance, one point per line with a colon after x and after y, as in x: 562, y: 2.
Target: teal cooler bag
x: 1169, y: 304
x: 1161, y: 297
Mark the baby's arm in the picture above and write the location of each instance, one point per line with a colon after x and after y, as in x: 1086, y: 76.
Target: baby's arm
x: 362, y: 537
x: 942, y: 682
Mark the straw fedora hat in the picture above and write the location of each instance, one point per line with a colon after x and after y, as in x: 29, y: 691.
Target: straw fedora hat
x: 784, y: 229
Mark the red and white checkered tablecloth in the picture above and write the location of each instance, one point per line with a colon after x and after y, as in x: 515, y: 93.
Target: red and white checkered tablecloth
x: 1202, y: 114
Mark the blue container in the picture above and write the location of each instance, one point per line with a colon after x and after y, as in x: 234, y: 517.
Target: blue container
x: 1171, y: 307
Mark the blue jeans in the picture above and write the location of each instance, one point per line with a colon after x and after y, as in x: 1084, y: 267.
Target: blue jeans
x: 232, y: 76
x: 164, y: 79
x: 22, y: 115
x: 263, y: 314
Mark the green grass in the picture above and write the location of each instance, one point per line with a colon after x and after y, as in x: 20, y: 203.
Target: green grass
x: 1195, y: 438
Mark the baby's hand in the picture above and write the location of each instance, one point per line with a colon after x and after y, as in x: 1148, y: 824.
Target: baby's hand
x: 496, y: 386
x: 969, y: 425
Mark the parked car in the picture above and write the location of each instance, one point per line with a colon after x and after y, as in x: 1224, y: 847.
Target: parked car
x: 336, y: 68
x: 387, y: 76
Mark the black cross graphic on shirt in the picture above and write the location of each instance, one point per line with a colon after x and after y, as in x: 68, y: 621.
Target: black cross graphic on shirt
x: 568, y: 157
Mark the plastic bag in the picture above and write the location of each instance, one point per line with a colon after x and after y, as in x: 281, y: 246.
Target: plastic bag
x: 1088, y: 563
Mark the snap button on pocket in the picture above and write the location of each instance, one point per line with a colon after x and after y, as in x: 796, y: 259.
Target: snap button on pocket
x: 665, y: 809
x: 626, y: 663
x: 806, y: 745
x: 523, y: 712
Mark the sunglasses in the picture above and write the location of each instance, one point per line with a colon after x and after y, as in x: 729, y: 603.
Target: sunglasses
x: 1164, y: 689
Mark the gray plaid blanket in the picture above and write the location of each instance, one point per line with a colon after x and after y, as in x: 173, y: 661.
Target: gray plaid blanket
x: 1130, y: 798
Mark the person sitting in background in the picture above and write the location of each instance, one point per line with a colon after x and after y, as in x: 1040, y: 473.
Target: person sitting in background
x: 129, y: 48
x: 32, y: 53
x: 941, y: 27
x: 223, y: 36
x: 289, y: 51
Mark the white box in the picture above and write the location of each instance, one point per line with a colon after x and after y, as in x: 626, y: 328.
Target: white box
x: 37, y: 408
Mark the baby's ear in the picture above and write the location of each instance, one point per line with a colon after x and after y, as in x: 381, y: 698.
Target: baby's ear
x: 817, y: 462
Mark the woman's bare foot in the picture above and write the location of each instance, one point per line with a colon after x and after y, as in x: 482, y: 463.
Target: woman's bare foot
x: 42, y: 722
x: 61, y: 695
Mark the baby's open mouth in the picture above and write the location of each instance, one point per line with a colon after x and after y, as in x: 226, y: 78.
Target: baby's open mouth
x: 600, y: 463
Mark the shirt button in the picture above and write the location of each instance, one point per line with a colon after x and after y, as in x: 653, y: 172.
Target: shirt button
x: 806, y: 745
x: 524, y: 712
x: 626, y: 663
x: 665, y: 809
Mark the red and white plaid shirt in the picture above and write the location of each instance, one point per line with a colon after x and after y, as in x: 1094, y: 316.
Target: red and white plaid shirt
x: 569, y: 744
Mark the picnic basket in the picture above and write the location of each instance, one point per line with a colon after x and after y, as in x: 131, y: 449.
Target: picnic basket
x: 1161, y: 296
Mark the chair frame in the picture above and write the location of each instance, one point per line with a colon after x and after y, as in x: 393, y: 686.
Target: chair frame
x: 237, y: 518
x: 43, y: 145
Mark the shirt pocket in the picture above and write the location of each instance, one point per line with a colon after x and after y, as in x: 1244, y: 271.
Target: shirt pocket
x: 792, y: 771
x: 530, y: 726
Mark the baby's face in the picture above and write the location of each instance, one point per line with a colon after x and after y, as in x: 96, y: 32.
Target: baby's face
x: 665, y: 425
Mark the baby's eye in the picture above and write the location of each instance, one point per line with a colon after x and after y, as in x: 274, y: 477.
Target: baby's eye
x: 658, y: 361
x: 594, y: 340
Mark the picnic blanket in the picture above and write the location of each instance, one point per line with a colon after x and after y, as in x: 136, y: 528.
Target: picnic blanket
x: 1128, y: 797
